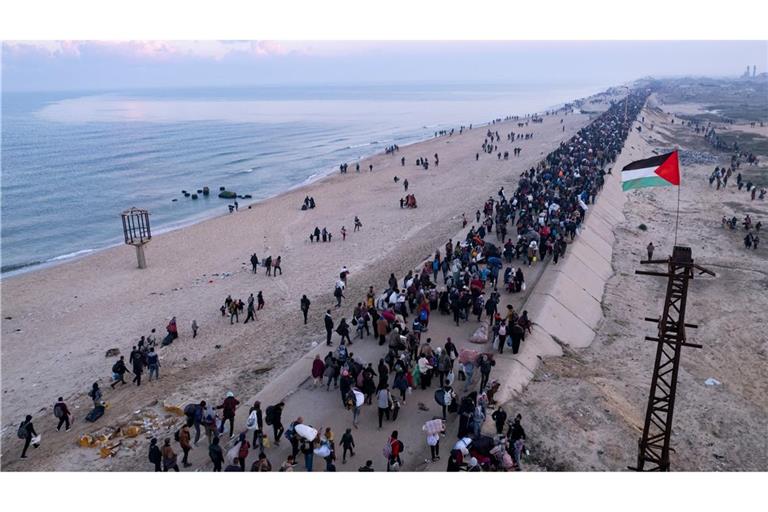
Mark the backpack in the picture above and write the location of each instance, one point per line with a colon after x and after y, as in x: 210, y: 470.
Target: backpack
x: 290, y: 434
x: 58, y: 411
x: 22, y: 432
x: 269, y: 415
x: 116, y: 367
x: 190, y: 410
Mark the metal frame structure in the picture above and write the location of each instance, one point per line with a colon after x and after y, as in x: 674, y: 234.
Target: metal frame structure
x: 653, y: 446
x: 137, y: 232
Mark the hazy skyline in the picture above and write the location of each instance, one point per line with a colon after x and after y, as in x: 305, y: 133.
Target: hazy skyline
x: 114, y: 65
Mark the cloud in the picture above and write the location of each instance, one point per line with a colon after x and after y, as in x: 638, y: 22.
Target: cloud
x: 142, y: 50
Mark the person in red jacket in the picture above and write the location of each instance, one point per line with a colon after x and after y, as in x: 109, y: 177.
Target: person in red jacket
x: 230, y: 406
x: 318, y: 368
x: 395, y: 449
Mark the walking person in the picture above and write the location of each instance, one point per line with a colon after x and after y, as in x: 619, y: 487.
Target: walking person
x: 153, y: 364
x: 216, y: 455
x: 384, y: 402
x: 305, y: 307
x: 650, y: 249
x: 195, y: 327
x: 155, y: 456
x: 318, y: 369
x: 328, y: 327
x: 61, y: 412
x: 242, y: 452
x: 274, y: 415
x: 27, y: 432
x: 256, y: 423
x: 169, y: 457
x: 184, y: 441
x: 259, y: 301
x: 251, y: 310
x: 138, y: 367
x: 347, y: 444
x: 393, y: 450
x: 229, y: 406
x: 118, y: 374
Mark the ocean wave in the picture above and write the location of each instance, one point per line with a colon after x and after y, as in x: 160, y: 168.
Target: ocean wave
x: 354, y: 146
x: 72, y: 255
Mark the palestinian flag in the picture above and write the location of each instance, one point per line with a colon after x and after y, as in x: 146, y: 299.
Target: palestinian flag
x: 658, y: 171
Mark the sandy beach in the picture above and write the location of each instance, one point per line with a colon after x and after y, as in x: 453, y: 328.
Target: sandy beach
x: 59, y: 322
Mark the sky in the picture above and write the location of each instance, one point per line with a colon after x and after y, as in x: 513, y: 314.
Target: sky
x: 116, y: 65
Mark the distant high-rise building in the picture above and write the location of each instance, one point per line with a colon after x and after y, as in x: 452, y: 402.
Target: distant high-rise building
x: 754, y: 71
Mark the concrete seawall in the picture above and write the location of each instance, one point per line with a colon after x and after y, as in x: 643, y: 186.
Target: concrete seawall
x: 565, y: 304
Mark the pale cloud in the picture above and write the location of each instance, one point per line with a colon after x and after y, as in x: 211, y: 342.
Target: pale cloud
x: 152, y: 50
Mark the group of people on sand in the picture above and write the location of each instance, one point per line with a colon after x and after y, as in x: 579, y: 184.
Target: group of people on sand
x: 409, y: 201
x: 720, y: 176
x: 423, y: 162
x: 752, y: 238
x: 143, y: 358
x: 326, y: 236
x: 309, y: 203
x: 271, y: 266
x: 235, y: 307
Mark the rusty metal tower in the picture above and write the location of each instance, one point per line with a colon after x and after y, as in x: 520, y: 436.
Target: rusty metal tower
x: 653, y: 446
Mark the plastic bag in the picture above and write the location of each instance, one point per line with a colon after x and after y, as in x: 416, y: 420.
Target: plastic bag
x: 522, y: 287
x: 323, y: 450
x: 265, y: 441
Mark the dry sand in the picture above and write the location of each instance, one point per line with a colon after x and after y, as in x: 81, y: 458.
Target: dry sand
x: 63, y: 319
x: 585, y: 410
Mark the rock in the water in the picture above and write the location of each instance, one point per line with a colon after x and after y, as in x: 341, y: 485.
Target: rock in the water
x: 227, y: 194
x: 222, y: 188
x: 194, y: 196
x: 206, y: 191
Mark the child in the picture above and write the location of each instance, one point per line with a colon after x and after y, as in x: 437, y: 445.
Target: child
x: 194, y: 328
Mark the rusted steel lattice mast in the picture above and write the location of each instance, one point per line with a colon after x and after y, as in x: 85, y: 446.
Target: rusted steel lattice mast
x: 653, y: 446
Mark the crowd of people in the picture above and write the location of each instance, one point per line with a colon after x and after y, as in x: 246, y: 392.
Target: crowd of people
x: 546, y: 210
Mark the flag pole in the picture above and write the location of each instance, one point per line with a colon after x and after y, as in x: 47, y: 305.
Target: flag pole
x: 677, y: 215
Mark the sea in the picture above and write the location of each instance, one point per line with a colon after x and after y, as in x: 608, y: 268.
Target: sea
x: 72, y: 161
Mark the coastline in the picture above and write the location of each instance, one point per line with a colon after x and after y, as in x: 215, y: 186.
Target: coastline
x: 85, y: 316
x: 205, y: 216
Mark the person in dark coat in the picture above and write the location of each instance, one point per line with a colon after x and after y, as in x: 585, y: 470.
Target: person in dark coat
x: 29, y: 433
x: 138, y: 367
x: 155, y: 456
x: 499, y: 417
x: 516, y: 334
x: 216, y: 454
x: 305, y: 307
x: 328, y: 327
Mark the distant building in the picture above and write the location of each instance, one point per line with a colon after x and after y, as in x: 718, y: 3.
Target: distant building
x: 754, y: 71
